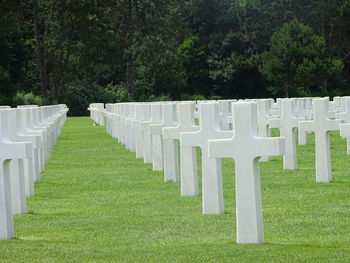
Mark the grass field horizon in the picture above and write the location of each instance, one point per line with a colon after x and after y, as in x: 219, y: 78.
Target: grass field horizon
x: 97, y: 203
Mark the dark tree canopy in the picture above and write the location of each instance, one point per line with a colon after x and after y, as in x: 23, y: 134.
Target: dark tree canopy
x: 78, y: 52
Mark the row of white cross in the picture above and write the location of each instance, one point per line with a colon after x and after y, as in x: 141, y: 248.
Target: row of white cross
x: 27, y: 136
x: 240, y: 130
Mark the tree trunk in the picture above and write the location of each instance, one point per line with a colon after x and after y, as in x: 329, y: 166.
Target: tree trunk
x: 44, y: 86
x: 130, y: 75
x: 55, y: 87
x: 129, y: 58
x: 324, y: 86
x: 308, y: 91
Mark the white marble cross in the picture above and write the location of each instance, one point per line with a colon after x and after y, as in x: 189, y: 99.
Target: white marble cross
x: 49, y: 129
x: 30, y: 164
x: 263, y: 117
x: 287, y: 123
x: 321, y: 126
x: 130, y: 140
x: 344, y: 115
x: 37, y: 144
x: 275, y: 109
x: 345, y: 133
x: 116, y: 119
x: 9, y: 150
x: 125, y: 134
x: 136, y: 130
x: 225, y: 111
x: 22, y: 170
x: 144, y: 133
x: 344, y: 112
x: 118, y: 115
x: 157, y: 141
x: 246, y: 147
x: 108, y: 115
x: 30, y: 127
x: 335, y: 106
x: 25, y: 131
x: 188, y: 155
x: 212, y: 192
x: 110, y: 125
x: 303, y: 110
x: 170, y: 149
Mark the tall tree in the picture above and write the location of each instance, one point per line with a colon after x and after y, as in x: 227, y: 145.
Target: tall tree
x: 297, y: 59
x: 41, y: 63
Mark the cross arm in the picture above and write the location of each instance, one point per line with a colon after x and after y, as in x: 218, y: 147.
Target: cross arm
x: 220, y: 148
x: 345, y: 130
x: 171, y: 133
x: 306, y: 126
x: 135, y: 123
x: 332, y: 125
x: 272, y: 146
x: 16, y: 150
x: 191, y: 139
x: 156, y: 129
x: 275, y: 122
x: 35, y: 140
x: 144, y: 125
x: 345, y: 116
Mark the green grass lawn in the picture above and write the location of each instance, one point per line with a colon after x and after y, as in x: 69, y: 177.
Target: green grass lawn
x: 97, y: 203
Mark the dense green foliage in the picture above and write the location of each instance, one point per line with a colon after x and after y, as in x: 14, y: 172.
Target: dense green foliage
x: 97, y: 203
x: 22, y: 98
x: 78, y: 52
x: 297, y: 59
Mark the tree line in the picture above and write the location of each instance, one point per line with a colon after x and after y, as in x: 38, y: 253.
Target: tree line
x: 82, y: 51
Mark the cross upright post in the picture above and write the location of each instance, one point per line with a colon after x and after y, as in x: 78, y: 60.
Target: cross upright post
x: 188, y: 155
x: 144, y: 133
x: 321, y: 126
x: 212, y: 192
x: 130, y: 141
x: 119, y: 114
x: 113, y: 120
x: 157, y: 141
x: 246, y: 147
x: 122, y: 116
x: 125, y: 115
x: 136, y: 131
x: 108, y: 115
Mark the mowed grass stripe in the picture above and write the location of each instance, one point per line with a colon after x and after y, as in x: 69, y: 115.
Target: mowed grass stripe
x: 97, y: 203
